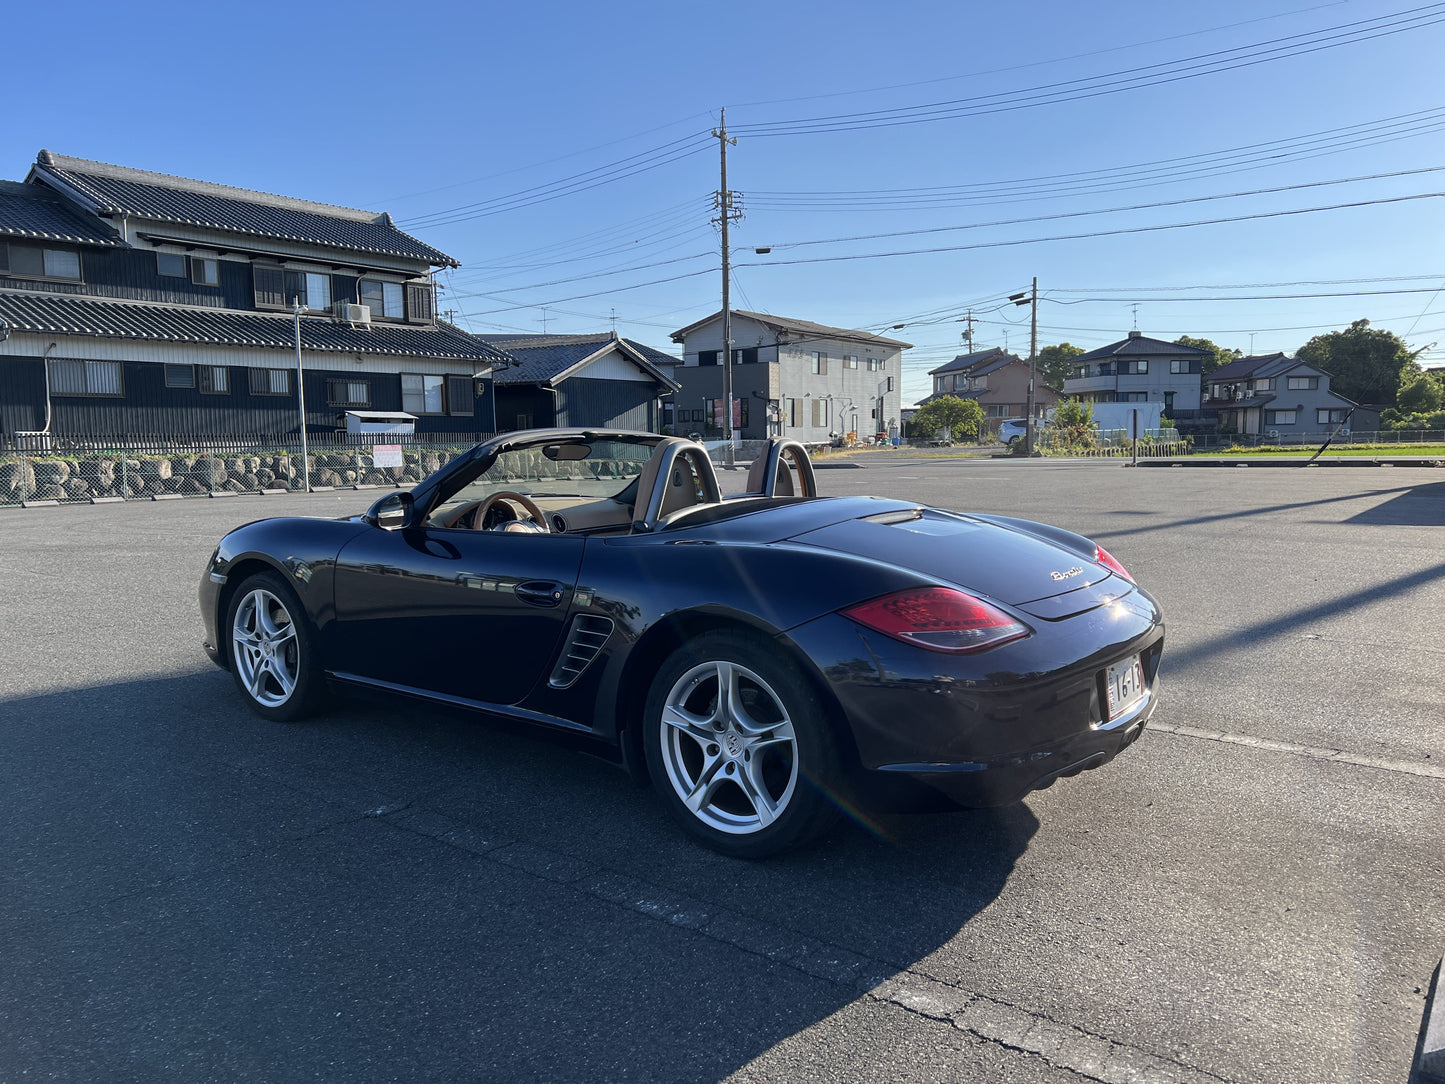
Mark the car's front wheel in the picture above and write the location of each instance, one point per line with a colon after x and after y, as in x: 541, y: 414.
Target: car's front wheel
x: 272, y: 655
x: 739, y: 748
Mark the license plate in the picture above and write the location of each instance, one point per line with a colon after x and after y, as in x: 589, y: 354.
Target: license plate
x: 1125, y: 682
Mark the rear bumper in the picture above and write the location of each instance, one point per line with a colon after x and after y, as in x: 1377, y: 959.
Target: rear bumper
x: 936, y: 731
x: 1004, y: 780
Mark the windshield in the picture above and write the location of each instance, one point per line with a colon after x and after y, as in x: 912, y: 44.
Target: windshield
x: 592, y: 470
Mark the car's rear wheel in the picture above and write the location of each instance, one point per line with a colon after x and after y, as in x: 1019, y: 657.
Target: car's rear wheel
x: 738, y: 746
x: 272, y: 655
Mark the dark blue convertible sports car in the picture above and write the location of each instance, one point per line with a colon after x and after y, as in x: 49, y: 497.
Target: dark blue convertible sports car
x: 766, y: 659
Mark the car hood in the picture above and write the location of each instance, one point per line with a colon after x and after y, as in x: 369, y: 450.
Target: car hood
x: 1008, y: 563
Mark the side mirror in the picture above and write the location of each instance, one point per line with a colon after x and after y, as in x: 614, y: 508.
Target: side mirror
x: 393, y: 512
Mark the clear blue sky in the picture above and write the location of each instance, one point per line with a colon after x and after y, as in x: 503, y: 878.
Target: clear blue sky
x: 462, y: 120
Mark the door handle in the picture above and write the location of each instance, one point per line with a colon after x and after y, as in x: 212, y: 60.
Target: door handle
x: 541, y: 592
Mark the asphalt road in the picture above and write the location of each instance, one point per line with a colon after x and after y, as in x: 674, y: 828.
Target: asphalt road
x: 1250, y: 893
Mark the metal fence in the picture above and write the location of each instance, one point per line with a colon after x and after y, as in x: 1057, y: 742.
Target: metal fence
x: 1314, y: 440
x: 105, y: 471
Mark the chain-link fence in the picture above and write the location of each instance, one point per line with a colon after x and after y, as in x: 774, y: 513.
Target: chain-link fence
x: 139, y: 470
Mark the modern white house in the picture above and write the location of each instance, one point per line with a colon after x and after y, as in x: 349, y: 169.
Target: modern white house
x: 790, y: 378
x: 1139, y: 369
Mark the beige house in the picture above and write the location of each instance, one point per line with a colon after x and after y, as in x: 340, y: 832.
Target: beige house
x: 998, y: 381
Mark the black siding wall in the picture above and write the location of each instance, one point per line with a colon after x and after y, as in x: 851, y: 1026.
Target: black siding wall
x: 150, y: 409
x: 621, y: 404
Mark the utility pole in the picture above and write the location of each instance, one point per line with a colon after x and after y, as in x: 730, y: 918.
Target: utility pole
x: 725, y: 214
x: 968, y: 335
x: 1032, y: 300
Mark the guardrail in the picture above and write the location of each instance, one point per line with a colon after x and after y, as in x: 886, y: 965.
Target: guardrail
x: 166, y: 469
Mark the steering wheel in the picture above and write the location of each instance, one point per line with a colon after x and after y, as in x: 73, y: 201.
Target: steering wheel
x: 479, y: 517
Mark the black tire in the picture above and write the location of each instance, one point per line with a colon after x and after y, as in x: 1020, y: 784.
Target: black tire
x: 760, y: 774
x: 273, y: 660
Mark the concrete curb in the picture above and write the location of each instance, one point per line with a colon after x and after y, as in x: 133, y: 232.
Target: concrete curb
x: 1431, y: 1063
x: 1298, y: 461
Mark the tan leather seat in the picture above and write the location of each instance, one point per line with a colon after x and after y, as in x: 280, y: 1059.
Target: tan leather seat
x: 684, y: 487
x: 758, y: 472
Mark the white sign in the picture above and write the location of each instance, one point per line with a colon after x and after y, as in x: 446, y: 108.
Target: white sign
x: 386, y: 455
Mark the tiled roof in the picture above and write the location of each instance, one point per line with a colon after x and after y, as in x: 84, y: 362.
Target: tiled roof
x: 119, y: 190
x: 34, y: 211
x: 804, y: 328
x: 1242, y: 367
x: 968, y: 361
x: 52, y: 315
x: 1139, y: 344
x: 540, y: 358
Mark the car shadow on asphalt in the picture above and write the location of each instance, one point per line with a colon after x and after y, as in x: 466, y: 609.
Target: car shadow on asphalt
x: 440, y: 896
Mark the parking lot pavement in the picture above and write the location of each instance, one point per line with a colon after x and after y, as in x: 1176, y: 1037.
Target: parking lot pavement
x: 1251, y: 893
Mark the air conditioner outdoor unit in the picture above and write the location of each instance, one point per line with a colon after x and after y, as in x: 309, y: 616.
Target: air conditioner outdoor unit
x: 351, y: 313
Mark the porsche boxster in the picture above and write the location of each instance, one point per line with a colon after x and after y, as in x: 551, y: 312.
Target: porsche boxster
x: 766, y: 658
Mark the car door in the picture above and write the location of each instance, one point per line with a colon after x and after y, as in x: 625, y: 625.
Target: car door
x: 471, y: 614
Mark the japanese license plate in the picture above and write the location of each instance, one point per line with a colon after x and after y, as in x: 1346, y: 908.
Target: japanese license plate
x: 1125, y: 682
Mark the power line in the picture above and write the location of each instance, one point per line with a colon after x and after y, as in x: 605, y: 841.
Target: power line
x: 1108, y: 210
x: 622, y: 169
x: 1149, y: 75
x: 1049, y: 63
x: 1098, y: 233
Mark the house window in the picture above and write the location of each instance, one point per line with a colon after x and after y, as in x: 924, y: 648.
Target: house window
x: 850, y: 361
x: 524, y: 421
x: 889, y: 386
x: 73, y: 377
x: 1330, y: 417
x: 214, y: 380
x: 421, y: 394
x: 459, y: 395
x: 820, y: 413
x: 348, y: 393
x: 707, y: 357
x: 171, y: 265
x: 1303, y: 383
x: 820, y: 364
x: 205, y: 271
x: 746, y: 357
x: 1178, y: 366
x: 875, y: 365
x: 309, y: 289
x: 1263, y: 384
x: 43, y: 263
x: 180, y: 376
x: 1132, y: 368
x: 1133, y: 397
x: 420, y: 302
x: 791, y: 414
x: 270, y: 283
x: 385, y: 298
x: 1080, y: 372
x: 1279, y: 417
x: 270, y: 381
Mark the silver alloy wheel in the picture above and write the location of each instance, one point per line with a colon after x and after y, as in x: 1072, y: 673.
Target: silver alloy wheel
x: 265, y: 648
x: 729, y: 747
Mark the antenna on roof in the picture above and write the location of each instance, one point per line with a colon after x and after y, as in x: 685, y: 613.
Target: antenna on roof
x: 1136, y: 317
x: 614, y: 322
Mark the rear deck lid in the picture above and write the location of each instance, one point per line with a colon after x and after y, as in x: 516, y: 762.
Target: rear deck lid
x: 1003, y: 563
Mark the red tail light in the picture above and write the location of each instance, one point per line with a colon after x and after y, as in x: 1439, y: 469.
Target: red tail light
x: 939, y: 619
x: 1105, y: 558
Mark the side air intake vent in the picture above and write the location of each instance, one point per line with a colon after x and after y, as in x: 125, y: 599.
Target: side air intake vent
x: 588, y: 633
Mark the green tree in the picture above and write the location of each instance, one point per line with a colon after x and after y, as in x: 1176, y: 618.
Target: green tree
x: 961, y: 417
x: 1054, y: 363
x: 1421, y: 394
x: 1217, y: 356
x: 1365, y: 364
x: 1072, y: 426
